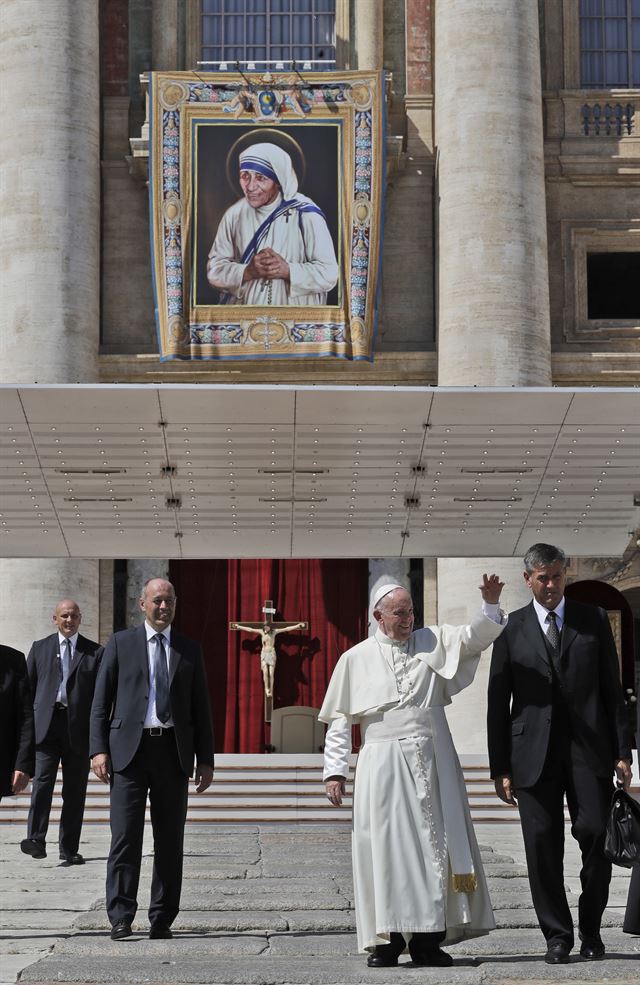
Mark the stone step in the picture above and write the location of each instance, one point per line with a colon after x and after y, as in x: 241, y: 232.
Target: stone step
x: 207, y: 962
x: 272, y: 788
x: 267, y: 789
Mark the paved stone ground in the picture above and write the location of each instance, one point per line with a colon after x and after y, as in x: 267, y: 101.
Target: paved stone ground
x: 269, y: 904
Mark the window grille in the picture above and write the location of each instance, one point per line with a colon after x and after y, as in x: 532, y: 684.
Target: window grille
x: 610, y: 44
x: 267, y: 34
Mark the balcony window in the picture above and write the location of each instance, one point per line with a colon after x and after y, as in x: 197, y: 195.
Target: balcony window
x: 268, y: 34
x: 610, y: 44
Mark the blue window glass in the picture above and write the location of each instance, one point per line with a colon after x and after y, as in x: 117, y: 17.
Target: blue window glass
x: 609, y: 43
x: 266, y: 31
x: 616, y: 70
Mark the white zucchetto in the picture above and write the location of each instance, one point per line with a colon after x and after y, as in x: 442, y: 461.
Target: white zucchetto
x: 384, y: 590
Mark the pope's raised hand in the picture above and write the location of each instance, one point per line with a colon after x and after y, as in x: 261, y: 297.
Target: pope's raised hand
x: 491, y: 588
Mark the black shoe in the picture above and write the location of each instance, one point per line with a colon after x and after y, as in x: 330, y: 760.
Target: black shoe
x: 120, y: 930
x: 75, y: 859
x: 160, y: 932
x: 33, y: 847
x: 557, y: 953
x: 433, y: 957
x: 592, y: 948
x: 386, y: 955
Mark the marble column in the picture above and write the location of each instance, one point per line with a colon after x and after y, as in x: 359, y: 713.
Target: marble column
x: 369, y: 25
x: 50, y: 198
x: 493, y: 290
x: 164, y: 35
x: 31, y: 589
x: 458, y: 601
x: 49, y: 252
x: 140, y: 571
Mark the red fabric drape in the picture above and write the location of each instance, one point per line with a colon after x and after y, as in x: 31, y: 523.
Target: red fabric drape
x: 330, y: 594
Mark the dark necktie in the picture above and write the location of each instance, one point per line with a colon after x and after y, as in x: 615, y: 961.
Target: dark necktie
x: 553, y: 633
x: 163, y: 701
x: 66, y: 665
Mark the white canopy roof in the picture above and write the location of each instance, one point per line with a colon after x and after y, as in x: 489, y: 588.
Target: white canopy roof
x: 274, y: 471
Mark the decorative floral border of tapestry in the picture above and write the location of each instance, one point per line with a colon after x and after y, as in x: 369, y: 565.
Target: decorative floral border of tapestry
x: 266, y: 198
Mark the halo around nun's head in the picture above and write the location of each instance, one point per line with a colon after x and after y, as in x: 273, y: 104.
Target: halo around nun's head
x: 274, y: 163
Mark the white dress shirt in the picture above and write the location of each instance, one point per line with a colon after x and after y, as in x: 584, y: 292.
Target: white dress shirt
x: 542, y: 614
x: 151, y: 719
x: 61, y: 696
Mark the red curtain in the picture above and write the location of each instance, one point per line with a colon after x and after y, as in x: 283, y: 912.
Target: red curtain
x: 331, y: 595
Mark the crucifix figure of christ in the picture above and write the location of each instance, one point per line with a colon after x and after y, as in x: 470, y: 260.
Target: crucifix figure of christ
x: 268, y: 630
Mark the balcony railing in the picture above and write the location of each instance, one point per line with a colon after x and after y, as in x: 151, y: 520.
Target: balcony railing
x: 611, y: 120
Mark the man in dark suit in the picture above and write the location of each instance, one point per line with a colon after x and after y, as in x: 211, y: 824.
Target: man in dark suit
x: 150, y: 718
x: 632, y: 913
x: 557, y: 727
x: 62, y: 671
x: 17, y: 757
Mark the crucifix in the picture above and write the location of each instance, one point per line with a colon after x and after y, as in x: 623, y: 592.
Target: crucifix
x: 268, y: 630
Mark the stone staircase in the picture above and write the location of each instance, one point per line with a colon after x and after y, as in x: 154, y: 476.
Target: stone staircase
x: 270, y: 788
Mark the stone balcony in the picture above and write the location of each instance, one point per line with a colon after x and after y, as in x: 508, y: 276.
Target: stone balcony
x: 593, y: 135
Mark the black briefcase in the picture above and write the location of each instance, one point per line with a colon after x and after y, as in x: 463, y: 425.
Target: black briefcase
x: 622, y: 833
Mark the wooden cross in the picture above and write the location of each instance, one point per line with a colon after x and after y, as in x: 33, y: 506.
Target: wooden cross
x: 268, y: 630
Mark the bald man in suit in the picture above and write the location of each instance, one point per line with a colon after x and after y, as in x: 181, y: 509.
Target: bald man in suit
x: 62, y: 671
x: 150, y: 720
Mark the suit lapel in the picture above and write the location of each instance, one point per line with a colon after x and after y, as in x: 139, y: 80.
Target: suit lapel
x: 534, y: 635
x: 569, y: 632
x: 55, y: 664
x: 142, y: 652
x: 175, y: 656
x: 78, y: 654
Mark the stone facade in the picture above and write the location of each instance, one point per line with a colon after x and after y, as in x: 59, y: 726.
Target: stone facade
x: 495, y: 195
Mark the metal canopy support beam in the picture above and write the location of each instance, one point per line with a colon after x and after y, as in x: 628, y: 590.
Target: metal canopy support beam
x: 274, y: 471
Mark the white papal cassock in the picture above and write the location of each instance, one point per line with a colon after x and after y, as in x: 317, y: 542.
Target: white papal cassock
x: 415, y: 855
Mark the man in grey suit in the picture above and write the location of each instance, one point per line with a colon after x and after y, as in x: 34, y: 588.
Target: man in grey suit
x: 62, y: 670
x: 557, y: 727
x: 150, y: 719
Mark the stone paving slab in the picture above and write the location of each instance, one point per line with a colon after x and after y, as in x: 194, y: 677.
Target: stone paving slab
x: 263, y: 970
x: 273, y: 884
x: 46, y: 899
x: 38, y: 919
x: 236, y: 920
x: 20, y: 940
x: 271, y: 869
x: 217, y: 871
x: 517, y: 884
x: 505, y: 871
x: 183, y: 945
x: 263, y: 900
x: 531, y: 942
x: 256, y: 872
x: 312, y: 944
x: 248, y: 856
x: 267, y: 970
x: 194, y: 920
x: 525, y: 917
